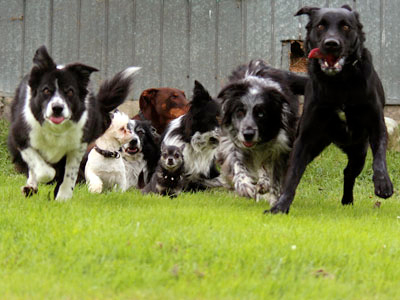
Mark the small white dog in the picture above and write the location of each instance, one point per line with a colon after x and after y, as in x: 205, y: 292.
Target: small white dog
x: 105, y: 167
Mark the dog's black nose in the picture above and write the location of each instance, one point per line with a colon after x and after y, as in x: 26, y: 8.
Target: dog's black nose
x: 214, y: 140
x: 57, y: 109
x: 170, y: 161
x: 331, y: 44
x: 249, y: 134
x: 133, y: 142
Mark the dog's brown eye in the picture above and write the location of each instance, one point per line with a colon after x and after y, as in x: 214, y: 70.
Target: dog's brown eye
x: 240, y: 113
x: 346, y: 28
x: 320, y: 27
x: 165, y: 155
x: 46, y: 91
x: 70, y: 93
x: 176, y: 155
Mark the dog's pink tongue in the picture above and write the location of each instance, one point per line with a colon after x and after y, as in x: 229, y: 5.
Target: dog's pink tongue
x: 316, y: 53
x: 248, y: 144
x: 56, y: 120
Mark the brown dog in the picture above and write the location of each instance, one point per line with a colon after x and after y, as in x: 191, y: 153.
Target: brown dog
x: 161, y: 105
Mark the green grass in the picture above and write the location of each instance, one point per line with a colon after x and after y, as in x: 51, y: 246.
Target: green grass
x: 210, y: 245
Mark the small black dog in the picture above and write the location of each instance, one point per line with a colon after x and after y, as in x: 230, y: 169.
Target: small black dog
x: 343, y: 104
x: 168, y: 179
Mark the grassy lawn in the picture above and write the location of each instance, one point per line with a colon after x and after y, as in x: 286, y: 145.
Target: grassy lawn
x: 210, y: 245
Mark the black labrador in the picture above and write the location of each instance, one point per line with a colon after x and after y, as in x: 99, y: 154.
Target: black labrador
x: 344, y: 101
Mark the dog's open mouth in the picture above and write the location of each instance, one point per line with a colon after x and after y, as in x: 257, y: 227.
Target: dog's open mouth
x: 330, y: 64
x: 132, y: 150
x: 56, y: 120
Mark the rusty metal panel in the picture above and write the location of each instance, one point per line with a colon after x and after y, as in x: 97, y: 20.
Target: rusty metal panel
x: 92, y: 36
x: 339, y: 3
x: 203, y: 47
x: 65, y: 30
x: 148, y: 45
x: 37, y: 29
x: 285, y: 27
x: 120, y: 45
x: 175, y: 44
x: 229, y: 38
x: 258, y: 30
x: 177, y: 41
x: 390, y: 51
x: 370, y: 17
x: 12, y: 39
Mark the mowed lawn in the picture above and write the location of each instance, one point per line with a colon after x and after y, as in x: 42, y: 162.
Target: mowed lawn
x: 210, y: 245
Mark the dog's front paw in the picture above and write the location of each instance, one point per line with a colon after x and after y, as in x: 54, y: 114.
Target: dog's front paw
x: 277, y: 209
x: 263, y: 188
x: 95, y: 188
x: 64, y: 193
x: 28, y: 190
x: 45, y: 174
x: 383, y: 186
x: 281, y: 206
x: 246, y: 188
x: 270, y: 197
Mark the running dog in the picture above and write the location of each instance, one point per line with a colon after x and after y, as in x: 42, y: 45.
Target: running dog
x: 259, y: 118
x: 55, y: 117
x: 343, y: 104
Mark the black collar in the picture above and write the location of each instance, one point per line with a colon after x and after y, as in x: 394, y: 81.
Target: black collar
x: 108, y: 154
x: 172, y: 175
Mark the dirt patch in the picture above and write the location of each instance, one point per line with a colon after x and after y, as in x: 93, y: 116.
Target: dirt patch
x: 5, y: 108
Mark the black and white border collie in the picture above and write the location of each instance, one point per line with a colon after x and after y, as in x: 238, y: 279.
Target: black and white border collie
x: 54, y: 117
x: 259, y: 117
x: 141, y: 154
x: 199, y: 130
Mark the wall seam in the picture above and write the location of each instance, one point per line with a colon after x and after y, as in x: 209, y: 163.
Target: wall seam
x: 23, y: 39
x: 161, y: 78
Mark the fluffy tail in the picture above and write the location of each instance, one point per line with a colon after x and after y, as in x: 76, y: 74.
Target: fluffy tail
x: 114, y: 91
x: 297, y: 83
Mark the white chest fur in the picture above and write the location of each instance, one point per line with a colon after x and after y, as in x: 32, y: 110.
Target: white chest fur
x: 133, y: 167
x: 53, y: 141
x: 53, y: 145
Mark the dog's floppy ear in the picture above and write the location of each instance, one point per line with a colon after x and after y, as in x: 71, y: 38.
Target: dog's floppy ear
x: 346, y: 6
x: 361, y: 35
x: 306, y: 10
x: 183, y: 93
x: 146, y: 102
x: 146, y: 98
x: 42, y: 63
x: 163, y: 146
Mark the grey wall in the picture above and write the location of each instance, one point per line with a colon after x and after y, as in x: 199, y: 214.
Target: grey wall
x: 177, y: 41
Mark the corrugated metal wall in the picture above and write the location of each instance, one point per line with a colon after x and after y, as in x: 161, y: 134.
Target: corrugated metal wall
x: 177, y: 41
